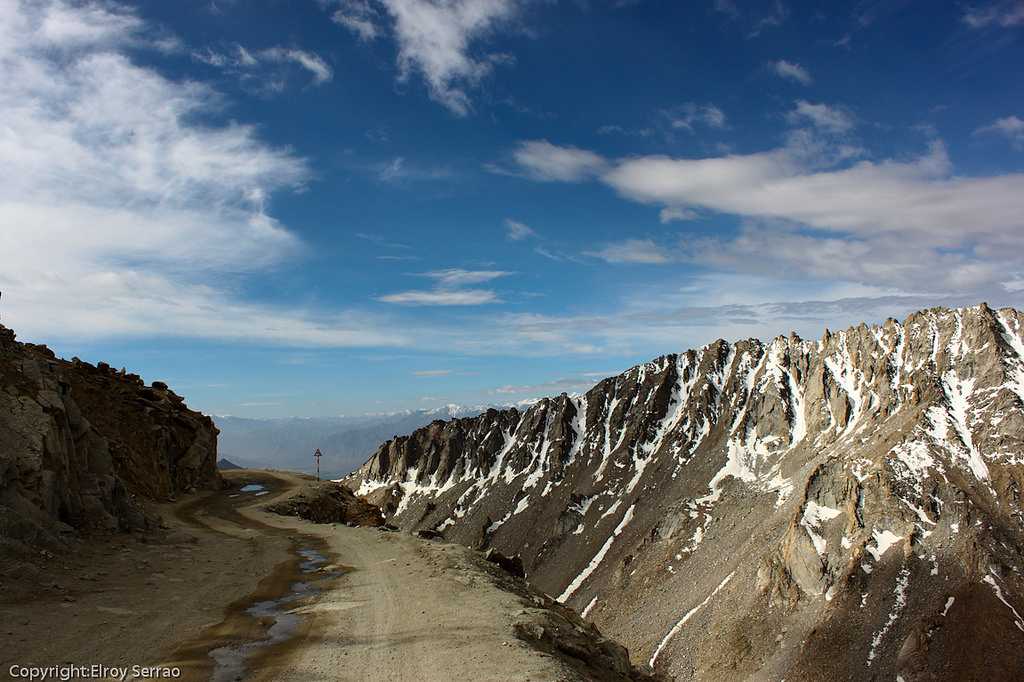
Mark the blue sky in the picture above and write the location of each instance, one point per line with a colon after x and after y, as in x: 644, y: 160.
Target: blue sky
x: 349, y: 206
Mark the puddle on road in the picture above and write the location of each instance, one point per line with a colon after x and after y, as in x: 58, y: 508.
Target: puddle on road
x: 253, y: 488
x: 258, y: 631
x: 231, y: 661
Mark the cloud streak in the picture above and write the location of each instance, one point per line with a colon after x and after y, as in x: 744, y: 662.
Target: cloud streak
x: 909, y: 223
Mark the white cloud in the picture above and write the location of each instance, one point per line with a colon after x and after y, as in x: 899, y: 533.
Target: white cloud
x: 1004, y: 14
x: 822, y: 116
x: 448, y: 289
x: 442, y: 297
x: 671, y: 213
x: 437, y: 39
x: 1010, y: 127
x: 517, y: 231
x: 427, y: 373
x: 909, y: 223
x: 792, y: 71
x: 632, y: 251
x: 542, y: 160
x: 690, y: 114
x: 122, y: 214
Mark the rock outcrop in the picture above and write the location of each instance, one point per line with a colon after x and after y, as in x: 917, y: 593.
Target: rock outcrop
x: 79, y: 445
x: 329, y: 502
x: 847, y: 508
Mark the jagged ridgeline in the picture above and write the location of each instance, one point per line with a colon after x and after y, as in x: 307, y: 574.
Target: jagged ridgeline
x: 80, y: 444
x: 846, y: 508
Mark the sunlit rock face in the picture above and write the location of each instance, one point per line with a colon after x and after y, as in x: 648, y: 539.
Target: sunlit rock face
x: 834, y: 509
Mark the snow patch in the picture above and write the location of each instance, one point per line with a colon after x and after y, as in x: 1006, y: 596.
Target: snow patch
x: 689, y: 614
x: 883, y: 541
x: 598, y: 558
x: 900, y: 591
x: 814, y: 515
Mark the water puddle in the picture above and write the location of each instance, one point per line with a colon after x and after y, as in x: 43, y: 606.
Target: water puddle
x: 277, y: 615
x: 254, y: 488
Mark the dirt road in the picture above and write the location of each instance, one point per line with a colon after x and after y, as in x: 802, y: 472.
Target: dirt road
x: 228, y: 580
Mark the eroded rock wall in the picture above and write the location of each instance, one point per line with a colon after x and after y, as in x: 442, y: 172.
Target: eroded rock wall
x: 79, y: 444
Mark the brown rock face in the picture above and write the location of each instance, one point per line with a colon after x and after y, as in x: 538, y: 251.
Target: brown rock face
x: 78, y: 443
x: 328, y: 502
x: 848, y: 508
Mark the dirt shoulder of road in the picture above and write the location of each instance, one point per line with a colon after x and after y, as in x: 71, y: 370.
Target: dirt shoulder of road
x: 130, y: 599
x: 402, y: 608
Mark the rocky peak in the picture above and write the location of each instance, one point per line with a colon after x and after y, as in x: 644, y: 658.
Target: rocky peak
x: 825, y: 473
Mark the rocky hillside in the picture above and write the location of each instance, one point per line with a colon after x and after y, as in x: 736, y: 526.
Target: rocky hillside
x: 79, y: 444
x: 846, y: 508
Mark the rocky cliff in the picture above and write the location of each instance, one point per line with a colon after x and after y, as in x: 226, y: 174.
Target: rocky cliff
x: 846, y: 508
x: 79, y: 445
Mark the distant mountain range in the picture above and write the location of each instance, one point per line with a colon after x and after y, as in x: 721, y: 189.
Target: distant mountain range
x: 345, y: 441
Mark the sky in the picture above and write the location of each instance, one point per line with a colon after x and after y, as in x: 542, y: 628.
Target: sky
x: 322, y: 207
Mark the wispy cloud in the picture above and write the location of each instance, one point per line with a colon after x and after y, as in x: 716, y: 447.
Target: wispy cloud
x: 124, y: 206
x: 429, y: 373
x: 632, y: 251
x: 686, y: 116
x: 542, y: 160
x: 755, y: 21
x: 822, y: 116
x: 517, y: 231
x: 676, y: 213
x: 439, y: 41
x: 1010, y: 127
x: 791, y: 71
x: 1005, y: 14
x: 457, y: 277
x: 381, y: 240
x: 912, y: 224
x: 442, y: 297
x: 359, y: 16
x: 449, y: 289
x: 247, y: 64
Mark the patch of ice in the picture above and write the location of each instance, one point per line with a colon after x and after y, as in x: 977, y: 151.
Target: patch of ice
x: 590, y: 606
x: 949, y: 603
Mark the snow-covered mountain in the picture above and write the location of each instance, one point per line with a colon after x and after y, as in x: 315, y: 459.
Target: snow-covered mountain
x: 846, y: 508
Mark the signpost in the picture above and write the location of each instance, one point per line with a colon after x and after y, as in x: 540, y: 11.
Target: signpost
x: 317, y: 455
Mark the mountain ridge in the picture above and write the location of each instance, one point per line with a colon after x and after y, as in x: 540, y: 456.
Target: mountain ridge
x: 815, y: 459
